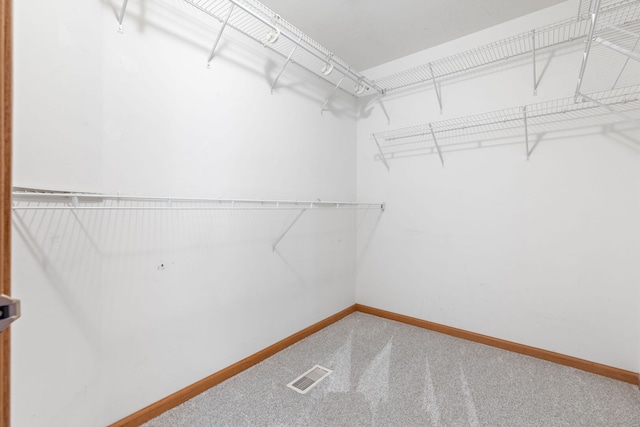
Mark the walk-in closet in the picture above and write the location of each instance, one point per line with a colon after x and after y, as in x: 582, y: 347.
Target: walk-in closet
x: 320, y: 213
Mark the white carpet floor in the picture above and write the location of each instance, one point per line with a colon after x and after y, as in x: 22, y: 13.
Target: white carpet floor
x: 390, y: 374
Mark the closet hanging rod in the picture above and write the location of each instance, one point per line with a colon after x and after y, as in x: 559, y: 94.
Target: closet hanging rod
x: 93, y: 201
x: 355, y: 77
x: 283, y: 28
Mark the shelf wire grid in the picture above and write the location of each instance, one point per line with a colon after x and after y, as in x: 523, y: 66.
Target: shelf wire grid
x: 36, y: 199
x: 255, y: 20
x: 611, y: 14
x: 587, y: 7
x: 607, y: 68
x: 521, y: 44
x: 507, y: 126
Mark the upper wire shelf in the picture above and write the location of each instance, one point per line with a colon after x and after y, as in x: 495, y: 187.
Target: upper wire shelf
x: 32, y: 199
x: 588, y: 7
x: 528, y: 42
x: 261, y: 24
x: 509, y: 125
x: 612, y: 13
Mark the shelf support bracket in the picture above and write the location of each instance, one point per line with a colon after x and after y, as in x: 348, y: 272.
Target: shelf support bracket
x: 384, y: 160
x: 535, y: 74
x: 526, y: 131
x: 610, y: 109
x: 587, y: 49
x: 435, y: 141
x: 285, y: 64
x: 384, y: 110
x: 619, y: 49
x: 215, y: 44
x: 273, y: 248
x: 436, y: 87
x: 121, y: 16
x: 331, y: 94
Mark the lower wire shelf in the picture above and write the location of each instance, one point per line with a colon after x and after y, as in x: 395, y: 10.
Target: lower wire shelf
x: 516, y: 123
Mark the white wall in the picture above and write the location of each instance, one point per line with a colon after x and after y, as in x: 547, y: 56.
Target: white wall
x: 540, y: 252
x: 121, y: 309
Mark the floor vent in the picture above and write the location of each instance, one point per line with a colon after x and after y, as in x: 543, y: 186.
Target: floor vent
x: 309, y: 379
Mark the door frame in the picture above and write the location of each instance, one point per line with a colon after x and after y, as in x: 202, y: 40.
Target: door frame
x: 6, y: 85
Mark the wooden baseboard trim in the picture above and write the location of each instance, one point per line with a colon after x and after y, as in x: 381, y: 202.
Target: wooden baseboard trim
x: 561, y: 359
x: 181, y: 396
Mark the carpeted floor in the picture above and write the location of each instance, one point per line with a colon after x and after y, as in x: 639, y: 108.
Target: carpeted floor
x: 390, y: 374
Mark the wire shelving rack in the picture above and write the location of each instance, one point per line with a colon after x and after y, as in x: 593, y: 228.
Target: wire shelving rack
x: 612, y: 13
x: 524, y: 43
x: 34, y: 199
x: 511, y: 125
x: 26, y: 199
x: 612, y: 54
x: 259, y: 23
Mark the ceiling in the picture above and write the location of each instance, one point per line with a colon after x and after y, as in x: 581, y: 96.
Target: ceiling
x: 366, y: 33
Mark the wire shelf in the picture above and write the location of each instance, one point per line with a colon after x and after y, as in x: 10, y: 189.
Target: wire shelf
x: 612, y: 14
x: 612, y: 59
x: 510, y: 125
x: 33, y: 199
x: 266, y: 27
x: 587, y: 7
x: 521, y: 44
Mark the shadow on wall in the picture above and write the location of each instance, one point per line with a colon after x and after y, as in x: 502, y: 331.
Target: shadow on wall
x: 94, y: 258
x: 554, y: 127
x: 181, y: 21
x: 367, y: 226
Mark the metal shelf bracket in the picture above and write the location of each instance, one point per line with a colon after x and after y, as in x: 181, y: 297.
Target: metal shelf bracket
x: 285, y: 64
x: 121, y: 16
x: 381, y: 153
x: 215, y: 44
x: 436, y: 87
x: 526, y: 131
x: 435, y: 141
x: 384, y: 110
x: 324, y: 105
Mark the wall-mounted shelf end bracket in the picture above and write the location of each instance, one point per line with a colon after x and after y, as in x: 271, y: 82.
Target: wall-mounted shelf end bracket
x: 436, y: 87
x: 384, y: 110
x: 324, y: 105
x: 123, y: 9
x: 526, y: 131
x: 384, y: 161
x: 435, y: 141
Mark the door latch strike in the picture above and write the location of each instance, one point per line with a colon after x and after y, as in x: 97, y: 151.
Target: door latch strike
x: 9, y: 311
